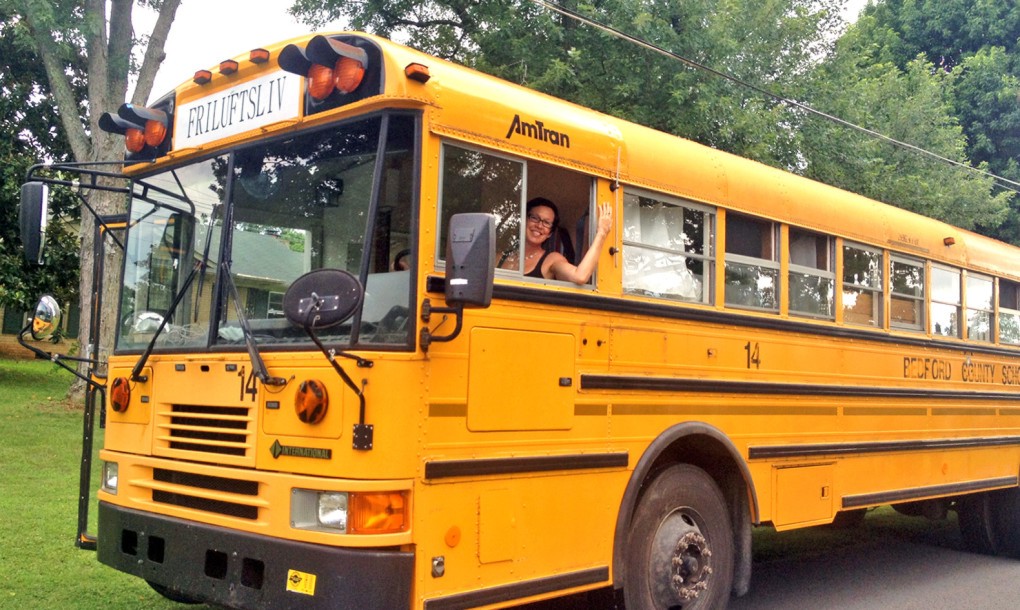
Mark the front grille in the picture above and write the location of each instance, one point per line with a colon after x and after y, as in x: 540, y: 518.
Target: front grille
x: 208, y: 430
x: 220, y: 495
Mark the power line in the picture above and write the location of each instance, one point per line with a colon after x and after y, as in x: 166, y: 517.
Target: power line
x: 1002, y: 182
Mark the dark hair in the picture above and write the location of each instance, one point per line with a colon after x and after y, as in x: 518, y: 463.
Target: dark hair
x: 400, y: 255
x: 543, y: 202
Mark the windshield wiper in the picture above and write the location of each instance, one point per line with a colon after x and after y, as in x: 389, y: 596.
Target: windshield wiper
x: 136, y: 373
x: 257, y: 364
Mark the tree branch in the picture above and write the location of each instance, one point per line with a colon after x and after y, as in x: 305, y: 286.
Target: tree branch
x: 38, y: 15
x: 155, y: 51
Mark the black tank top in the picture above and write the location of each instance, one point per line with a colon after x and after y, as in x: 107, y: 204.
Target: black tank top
x: 537, y: 271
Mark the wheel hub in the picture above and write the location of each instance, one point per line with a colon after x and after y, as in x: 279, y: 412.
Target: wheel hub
x: 691, y: 567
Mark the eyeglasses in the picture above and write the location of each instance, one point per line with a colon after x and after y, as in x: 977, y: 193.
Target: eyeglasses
x: 548, y: 224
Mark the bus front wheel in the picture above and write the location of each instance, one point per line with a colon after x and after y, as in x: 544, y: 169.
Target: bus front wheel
x: 680, y: 551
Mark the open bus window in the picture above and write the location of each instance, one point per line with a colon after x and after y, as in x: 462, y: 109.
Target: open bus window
x: 667, y: 248
x: 474, y: 181
x: 862, y: 286
x: 752, y: 263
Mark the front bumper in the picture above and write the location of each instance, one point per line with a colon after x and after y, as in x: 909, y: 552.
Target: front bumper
x: 242, y: 570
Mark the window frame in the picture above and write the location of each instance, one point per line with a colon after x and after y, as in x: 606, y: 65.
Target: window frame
x: 918, y: 300
x: 829, y: 273
x: 708, y: 243
x: 877, y: 293
x: 936, y: 302
x: 990, y: 311
x: 743, y: 260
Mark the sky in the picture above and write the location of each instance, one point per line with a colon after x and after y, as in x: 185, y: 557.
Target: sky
x: 205, y: 32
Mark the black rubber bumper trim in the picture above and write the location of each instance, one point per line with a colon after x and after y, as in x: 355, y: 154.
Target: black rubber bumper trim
x: 242, y: 570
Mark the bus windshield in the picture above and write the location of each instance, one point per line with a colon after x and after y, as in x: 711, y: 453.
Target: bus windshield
x: 338, y: 198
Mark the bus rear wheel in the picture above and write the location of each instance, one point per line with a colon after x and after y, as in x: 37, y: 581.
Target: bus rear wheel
x: 680, y: 552
x: 990, y: 522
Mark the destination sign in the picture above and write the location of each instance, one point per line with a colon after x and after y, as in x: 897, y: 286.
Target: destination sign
x: 249, y: 105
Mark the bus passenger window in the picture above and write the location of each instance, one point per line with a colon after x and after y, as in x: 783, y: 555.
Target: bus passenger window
x: 752, y: 263
x: 812, y: 280
x: 906, y: 308
x: 979, y: 308
x: 862, y: 286
x: 945, y: 302
x: 474, y: 181
x: 1009, y: 312
x: 667, y: 248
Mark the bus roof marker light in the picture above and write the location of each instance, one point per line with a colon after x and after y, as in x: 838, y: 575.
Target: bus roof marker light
x: 417, y: 72
x: 202, y: 77
x: 949, y: 241
x: 258, y: 56
x: 228, y: 66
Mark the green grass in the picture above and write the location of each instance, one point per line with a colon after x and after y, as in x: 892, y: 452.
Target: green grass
x: 40, y: 453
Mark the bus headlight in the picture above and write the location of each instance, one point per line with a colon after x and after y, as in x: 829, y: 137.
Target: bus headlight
x: 333, y: 510
x: 350, y: 513
x: 319, y: 510
x: 110, y: 477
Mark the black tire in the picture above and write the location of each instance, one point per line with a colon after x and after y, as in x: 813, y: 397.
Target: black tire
x: 680, y: 550
x: 990, y: 522
x: 171, y: 594
x: 976, y: 519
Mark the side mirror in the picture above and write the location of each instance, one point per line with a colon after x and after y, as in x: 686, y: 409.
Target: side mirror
x: 32, y: 217
x: 46, y: 319
x: 470, y: 260
x: 322, y: 298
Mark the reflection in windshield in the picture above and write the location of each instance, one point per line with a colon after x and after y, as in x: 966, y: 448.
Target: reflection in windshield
x: 297, y: 205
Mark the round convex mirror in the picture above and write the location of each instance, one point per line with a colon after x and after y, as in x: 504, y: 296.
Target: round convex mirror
x: 322, y: 298
x: 46, y: 320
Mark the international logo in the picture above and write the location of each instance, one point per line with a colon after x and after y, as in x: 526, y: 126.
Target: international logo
x: 279, y: 449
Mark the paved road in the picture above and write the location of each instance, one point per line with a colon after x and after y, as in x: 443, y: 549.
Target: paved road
x: 886, y: 574
x: 891, y: 562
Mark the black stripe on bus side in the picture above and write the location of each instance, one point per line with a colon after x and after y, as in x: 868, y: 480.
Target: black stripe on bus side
x: 917, y: 493
x: 722, y: 386
x: 594, y: 302
x: 520, y: 590
x: 520, y: 465
x: 844, y: 449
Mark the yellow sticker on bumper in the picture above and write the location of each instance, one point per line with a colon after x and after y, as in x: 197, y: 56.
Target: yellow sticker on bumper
x: 301, y: 582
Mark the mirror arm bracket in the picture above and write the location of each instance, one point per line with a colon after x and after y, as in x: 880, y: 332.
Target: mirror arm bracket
x: 58, y: 359
x: 427, y: 338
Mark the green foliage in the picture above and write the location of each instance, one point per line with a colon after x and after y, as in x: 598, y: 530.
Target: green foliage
x: 911, y: 105
x: 977, y: 42
x: 28, y: 134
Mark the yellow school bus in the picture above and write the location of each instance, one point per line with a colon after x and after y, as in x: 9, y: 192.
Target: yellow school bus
x: 336, y: 385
